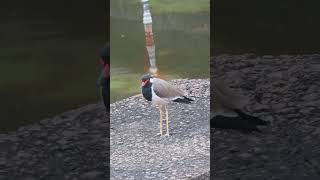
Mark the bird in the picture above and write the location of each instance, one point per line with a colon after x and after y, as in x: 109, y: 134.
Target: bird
x: 227, y: 110
x: 160, y: 93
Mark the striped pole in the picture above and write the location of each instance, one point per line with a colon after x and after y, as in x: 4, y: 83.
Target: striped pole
x: 147, y: 21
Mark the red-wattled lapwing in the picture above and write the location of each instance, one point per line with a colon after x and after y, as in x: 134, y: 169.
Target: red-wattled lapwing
x: 227, y: 110
x: 160, y: 93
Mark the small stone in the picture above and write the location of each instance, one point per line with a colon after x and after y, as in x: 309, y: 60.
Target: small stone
x: 234, y: 149
x: 245, y: 155
x: 267, y: 57
x: 35, y: 128
x: 264, y: 157
x: 91, y: 175
x: 257, y: 150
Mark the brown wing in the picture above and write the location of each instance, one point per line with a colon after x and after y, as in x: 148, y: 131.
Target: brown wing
x: 223, y: 96
x: 163, y: 89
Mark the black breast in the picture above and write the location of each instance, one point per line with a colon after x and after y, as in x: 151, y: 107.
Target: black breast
x: 147, y: 92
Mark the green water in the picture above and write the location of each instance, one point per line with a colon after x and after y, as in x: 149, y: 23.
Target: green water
x: 265, y: 27
x: 48, y: 58
x: 181, y: 37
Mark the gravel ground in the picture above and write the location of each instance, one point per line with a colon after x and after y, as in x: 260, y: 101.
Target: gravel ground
x: 138, y: 153
x: 285, y: 91
x: 73, y: 145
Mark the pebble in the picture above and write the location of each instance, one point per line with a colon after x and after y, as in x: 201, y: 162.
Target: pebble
x: 245, y: 155
x: 91, y: 175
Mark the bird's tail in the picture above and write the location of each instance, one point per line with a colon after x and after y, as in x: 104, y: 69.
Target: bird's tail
x: 253, y: 119
x: 183, y: 99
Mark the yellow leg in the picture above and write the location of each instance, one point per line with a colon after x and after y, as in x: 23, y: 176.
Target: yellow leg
x: 167, y: 121
x: 160, y: 121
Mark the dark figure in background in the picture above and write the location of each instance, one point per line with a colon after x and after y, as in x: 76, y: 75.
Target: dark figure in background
x: 104, y: 78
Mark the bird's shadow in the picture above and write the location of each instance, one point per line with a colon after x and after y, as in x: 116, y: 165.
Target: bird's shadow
x: 243, y: 123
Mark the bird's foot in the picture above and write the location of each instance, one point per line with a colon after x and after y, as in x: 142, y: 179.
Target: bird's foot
x: 167, y: 134
x: 159, y: 134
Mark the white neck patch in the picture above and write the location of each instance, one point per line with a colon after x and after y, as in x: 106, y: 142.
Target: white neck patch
x: 151, y: 80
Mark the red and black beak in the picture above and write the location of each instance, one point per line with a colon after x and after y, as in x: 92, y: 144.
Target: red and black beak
x: 144, y: 82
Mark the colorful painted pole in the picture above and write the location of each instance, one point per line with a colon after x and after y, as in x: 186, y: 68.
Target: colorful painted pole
x: 147, y: 21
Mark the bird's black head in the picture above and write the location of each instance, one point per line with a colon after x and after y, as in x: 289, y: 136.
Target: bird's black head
x: 145, y: 79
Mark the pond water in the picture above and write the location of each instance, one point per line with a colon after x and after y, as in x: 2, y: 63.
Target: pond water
x: 48, y: 60
x: 182, y: 43
x: 264, y: 27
